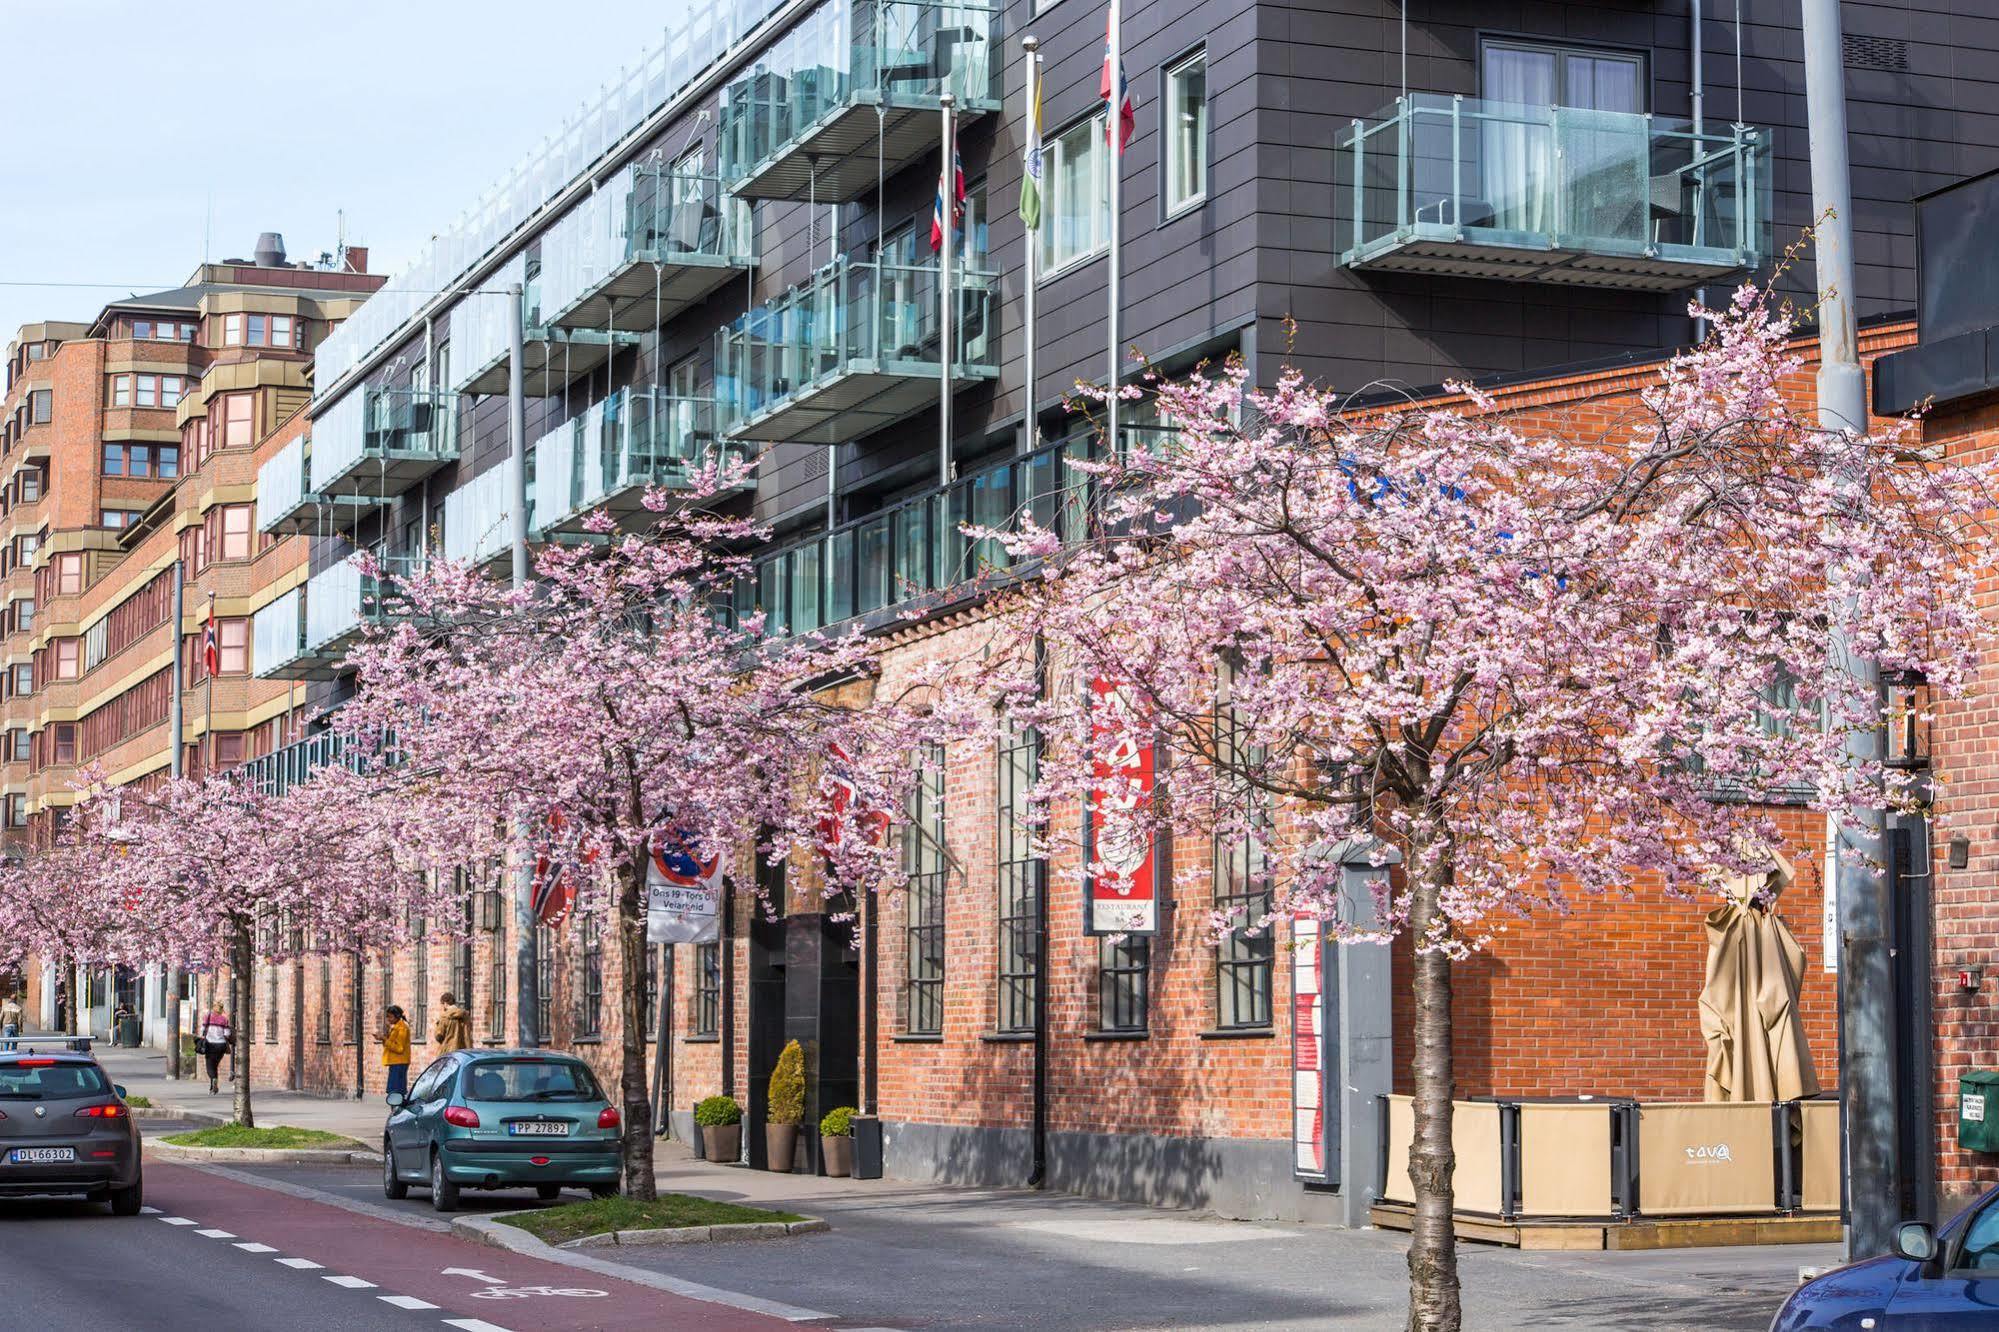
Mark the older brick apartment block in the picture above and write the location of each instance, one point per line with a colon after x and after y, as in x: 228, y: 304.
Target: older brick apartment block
x: 131, y: 444
x: 731, y: 249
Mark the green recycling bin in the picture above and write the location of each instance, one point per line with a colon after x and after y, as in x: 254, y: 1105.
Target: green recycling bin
x: 128, y: 1035
x: 1978, y: 1110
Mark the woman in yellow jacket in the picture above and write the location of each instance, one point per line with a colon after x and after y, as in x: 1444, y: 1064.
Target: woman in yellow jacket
x: 396, y: 1050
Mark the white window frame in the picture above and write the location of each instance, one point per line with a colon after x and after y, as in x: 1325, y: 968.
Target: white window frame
x: 1091, y: 127
x: 1170, y: 100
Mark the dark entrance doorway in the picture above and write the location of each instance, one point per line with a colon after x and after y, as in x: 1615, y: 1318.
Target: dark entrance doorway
x: 804, y: 986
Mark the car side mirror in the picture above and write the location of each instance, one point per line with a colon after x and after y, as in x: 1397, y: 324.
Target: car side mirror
x: 118, y: 1091
x: 1915, y: 1241
x: 395, y: 1100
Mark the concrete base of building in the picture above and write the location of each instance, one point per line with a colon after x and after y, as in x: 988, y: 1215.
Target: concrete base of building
x: 1242, y: 1179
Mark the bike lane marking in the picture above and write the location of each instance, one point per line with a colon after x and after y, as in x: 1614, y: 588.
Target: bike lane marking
x: 410, y: 1261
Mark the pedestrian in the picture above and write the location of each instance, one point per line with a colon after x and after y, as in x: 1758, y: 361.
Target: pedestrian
x: 454, y: 1027
x: 215, y: 1033
x: 118, y: 1016
x: 395, y: 1040
x: 10, y: 1019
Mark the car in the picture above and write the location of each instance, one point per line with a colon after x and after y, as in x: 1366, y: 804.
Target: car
x: 502, y: 1119
x: 1935, y: 1281
x: 65, y: 1130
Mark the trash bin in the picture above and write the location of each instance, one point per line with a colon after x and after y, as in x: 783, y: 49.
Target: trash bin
x: 128, y: 1033
x: 1978, y: 1110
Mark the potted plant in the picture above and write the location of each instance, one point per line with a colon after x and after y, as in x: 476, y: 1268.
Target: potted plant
x: 787, y: 1109
x: 836, y: 1141
x: 721, y: 1123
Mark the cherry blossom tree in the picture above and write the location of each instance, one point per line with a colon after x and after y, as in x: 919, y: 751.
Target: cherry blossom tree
x: 608, y: 711
x: 1533, y: 663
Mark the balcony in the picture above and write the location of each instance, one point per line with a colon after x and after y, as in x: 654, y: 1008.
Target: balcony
x: 372, y: 444
x: 1460, y: 187
x: 478, y: 529
x: 850, y: 96
x: 551, y: 358
x: 287, y: 506
x: 608, y: 457
x: 651, y: 242
x: 914, y: 555
x: 850, y: 352
x: 305, y: 634
x: 278, y: 771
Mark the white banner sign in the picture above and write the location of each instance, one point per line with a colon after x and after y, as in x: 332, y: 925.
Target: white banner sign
x: 683, y: 896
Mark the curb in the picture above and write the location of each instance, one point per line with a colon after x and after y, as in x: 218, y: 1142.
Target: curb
x: 746, y: 1230
x: 202, y: 1117
x: 485, y: 1230
x: 166, y: 1151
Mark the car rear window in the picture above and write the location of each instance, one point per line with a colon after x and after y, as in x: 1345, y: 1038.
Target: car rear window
x: 529, y: 1080
x: 33, y: 1081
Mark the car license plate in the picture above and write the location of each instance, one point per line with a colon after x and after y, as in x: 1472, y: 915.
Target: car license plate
x: 538, y: 1128
x: 41, y: 1155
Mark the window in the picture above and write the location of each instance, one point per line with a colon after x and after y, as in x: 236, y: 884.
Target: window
x: 544, y: 983
x: 324, y: 1032
x: 41, y: 406
x: 1021, y: 879
x: 230, y: 539
x: 232, y: 330
x: 281, y: 330
x: 270, y: 1003
x: 68, y: 658
x: 24, y: 614
x: 17, y: 745
x: 121, y: 390
x: 923, y: 899
x: 1531, y: 74
x: 142, y: 460
x: 1124, y: 990
x: 17, y: 811
x: 1186, y: 137
x: 1519, y: 157
x: 232, y: 643
x: 1243, y: 959
x: 461, y: 950
x: 117, y: 518
x: 65, y: 742
x: 650, y: 1002
x: 1075, y: 220
x: 590, y: 1022
x: 502, y: 961
x: 24, y: 679
x: 707, y: 988
x: 238, y: 415
x: 30, y: 484
x: 68, y: 571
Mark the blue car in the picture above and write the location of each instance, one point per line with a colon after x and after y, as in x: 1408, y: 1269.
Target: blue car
x: 1946, y: 1281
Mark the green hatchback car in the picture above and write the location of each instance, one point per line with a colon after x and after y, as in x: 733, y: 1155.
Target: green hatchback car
x: 501, y: 1119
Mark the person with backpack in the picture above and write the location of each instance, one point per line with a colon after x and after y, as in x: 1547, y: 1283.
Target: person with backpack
x: 10, y: 1020
x: 213, y: 1041
x: 453, y: 1029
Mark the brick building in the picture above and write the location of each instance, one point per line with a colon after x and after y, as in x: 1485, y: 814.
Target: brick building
x: 132, y: 444
x: 728, y: 249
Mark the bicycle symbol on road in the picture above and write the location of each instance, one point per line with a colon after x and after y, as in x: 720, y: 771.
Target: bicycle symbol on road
x: 525, y: 1292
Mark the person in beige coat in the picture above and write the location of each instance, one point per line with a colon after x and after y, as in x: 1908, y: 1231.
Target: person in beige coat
x: 453, y: 1028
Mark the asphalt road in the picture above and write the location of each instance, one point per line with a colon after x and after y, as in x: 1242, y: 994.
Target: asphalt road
x: 963, y: 1259
x: 213, y: 1252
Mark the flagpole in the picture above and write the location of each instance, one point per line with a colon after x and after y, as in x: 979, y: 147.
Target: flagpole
x: 208, y: 694
x: 947, y: 197
x: 1032, y: 235
x: 1113, y: 143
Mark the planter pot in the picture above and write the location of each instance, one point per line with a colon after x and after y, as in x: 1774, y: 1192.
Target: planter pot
x: 838, y: 1154
x: 722, y: 1143
x: 780, y: 1147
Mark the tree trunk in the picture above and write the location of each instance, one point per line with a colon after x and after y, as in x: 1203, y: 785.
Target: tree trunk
x: 635, y: 1099
x: 1433, y: 1257
x: 241, y: 959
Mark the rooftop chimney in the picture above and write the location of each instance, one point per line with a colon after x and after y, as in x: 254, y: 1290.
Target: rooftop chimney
x: 270, y: 252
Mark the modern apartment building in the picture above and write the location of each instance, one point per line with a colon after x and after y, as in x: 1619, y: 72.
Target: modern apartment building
x: 130, y: 445
x: 730, y: 250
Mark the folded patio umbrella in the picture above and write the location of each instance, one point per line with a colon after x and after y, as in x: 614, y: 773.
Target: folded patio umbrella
x: 1756, y: 1048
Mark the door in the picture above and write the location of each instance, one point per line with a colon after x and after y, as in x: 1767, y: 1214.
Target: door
x: 1965, y: 1295
x: 1545, y: 172
x: 407, y: 1138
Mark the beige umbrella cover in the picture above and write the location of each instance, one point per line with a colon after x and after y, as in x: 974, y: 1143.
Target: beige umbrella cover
x: 1756, y: 1047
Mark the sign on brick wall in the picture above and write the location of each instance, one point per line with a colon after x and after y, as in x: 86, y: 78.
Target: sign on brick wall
x: 1122, y: 896
x: 1311, y: 1152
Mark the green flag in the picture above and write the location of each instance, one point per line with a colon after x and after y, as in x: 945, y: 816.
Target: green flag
x: 1030, y: 166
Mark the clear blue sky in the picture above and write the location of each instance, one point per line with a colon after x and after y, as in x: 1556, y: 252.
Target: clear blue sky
x: 131, y: 123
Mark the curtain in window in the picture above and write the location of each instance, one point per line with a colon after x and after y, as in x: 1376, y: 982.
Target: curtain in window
x: 1517, y: 147
x: 1605, y: 150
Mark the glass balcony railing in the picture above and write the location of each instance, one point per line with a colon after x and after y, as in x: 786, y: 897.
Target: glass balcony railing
x: 478, y: 528
x: 916, y: 551
x: 376, y: 443
x: 802, y: 123
x: 610, y: 455
x: 692, y: 46
x: 275, y: 773
x: 281, y: 489
x: 1471, y: 188
x: 551, y: 358
x: 304, y: 633
x: 649, y: 243
x: 855, y: 349
x: 277, y: 638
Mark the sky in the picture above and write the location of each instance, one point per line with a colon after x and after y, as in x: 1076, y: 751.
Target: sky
x: 134, y: 129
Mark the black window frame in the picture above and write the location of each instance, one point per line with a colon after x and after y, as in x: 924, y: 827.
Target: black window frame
x: 1124, y: 984
x: 707, y: 989
x: 1020, y: 880
x: 925, y: 871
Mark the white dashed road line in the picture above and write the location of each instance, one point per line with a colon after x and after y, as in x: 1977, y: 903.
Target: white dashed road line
x: 350, y: 1283
x: 149, y: 1211
x: 217, y: 1234
x: 405, y: 1301
x: 473, y: 1325
x: 179, y: 1221
x: 248, y: 1247
x: 302, y: 1264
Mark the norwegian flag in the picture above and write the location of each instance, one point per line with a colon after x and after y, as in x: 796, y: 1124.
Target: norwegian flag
x: 957, y: 204
x: 1116, y: 91
x: 838, y: 797
x: 553, y: 891
x: 211, y: 647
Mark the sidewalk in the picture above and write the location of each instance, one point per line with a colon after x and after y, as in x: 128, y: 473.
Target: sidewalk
x: 144, y: 1073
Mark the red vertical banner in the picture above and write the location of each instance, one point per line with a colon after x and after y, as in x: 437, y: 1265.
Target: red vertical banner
x: 1122, y: 892
x: 1311, y: 1151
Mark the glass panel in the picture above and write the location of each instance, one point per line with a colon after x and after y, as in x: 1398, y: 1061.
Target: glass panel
x: 874, y: 563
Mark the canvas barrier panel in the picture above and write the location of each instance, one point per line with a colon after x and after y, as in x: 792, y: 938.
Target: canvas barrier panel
x: 1476, y: 1182
x: 1565, y: 1160
x: 1697, y: 1156
x: 1818, y: 1188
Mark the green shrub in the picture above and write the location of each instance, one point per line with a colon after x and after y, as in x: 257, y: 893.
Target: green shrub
x: 787, y: 1087
x: 838, y: 1123
x: 718, y: 1112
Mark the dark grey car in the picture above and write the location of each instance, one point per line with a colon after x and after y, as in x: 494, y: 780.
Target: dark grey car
x: 65, y: 1130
